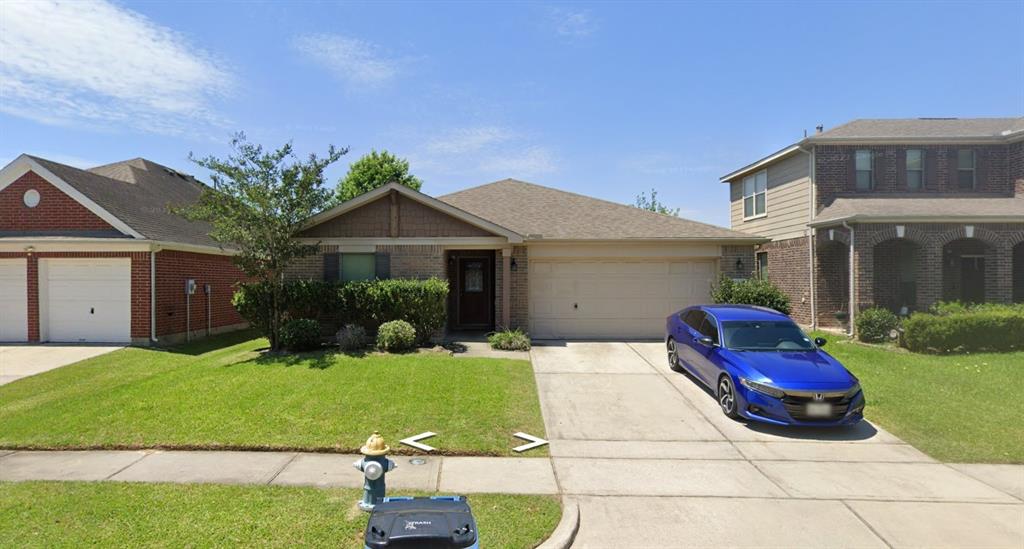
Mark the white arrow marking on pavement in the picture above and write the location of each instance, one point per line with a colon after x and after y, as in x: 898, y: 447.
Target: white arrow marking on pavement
x: 535, y: 442
x: 411, y: 441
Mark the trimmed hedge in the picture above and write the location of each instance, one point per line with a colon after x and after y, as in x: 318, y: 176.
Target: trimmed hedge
x: 421, y: 303
x: 974, y: 329
x: 874, y: 324
x: 300, y: 334
x: 752, y: 291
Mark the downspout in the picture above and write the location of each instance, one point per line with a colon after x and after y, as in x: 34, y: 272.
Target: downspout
x: 152, y: 295
x: 853, y: 279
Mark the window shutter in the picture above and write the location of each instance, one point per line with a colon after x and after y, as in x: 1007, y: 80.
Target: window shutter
x: 953, y: 160
x: 382, y: 267
x: 901, y: 169
x: 931, y: 169
x: 851, y: 170
x: 331, y: 270
x: 981, y: 169
x: 877, y: 169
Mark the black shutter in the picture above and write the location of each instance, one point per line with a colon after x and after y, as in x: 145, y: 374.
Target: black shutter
x: 331, y: 264
x: 981, y: 169
x: 953, y: 175
x: 931, y: 170
x: 878, y: 169
x: 382, y: 267
x: 901, y: 169
x: 851, y: 171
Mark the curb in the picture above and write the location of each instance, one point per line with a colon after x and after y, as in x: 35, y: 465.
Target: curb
x: 565, y: 532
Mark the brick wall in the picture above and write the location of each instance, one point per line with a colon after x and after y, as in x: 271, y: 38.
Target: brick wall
x: 56, y: 211
x: 744, y: 253
x: 789, y: 269
x: 416, y: 261
x: 995, y: 166
x: 518, y: 289
x: 173, y: 268
x: 936, y: 249
x: 832, y: 280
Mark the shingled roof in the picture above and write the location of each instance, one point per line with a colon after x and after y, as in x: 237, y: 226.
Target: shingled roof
x: 924, y: 128
x: 140, y: 193
x: 539, y: 212
x: 918, y: 208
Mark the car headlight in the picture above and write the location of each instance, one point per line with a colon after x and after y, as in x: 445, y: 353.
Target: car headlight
x: 853, y: 391
x: 762, y: 388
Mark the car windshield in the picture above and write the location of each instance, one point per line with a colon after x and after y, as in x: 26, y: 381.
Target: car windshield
x: 767, y: 335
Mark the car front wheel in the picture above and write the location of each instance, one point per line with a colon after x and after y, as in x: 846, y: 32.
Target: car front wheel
x: 727, y: 397
x: 673, y: 356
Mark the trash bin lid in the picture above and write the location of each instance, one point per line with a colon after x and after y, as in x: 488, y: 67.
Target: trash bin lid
x: 423, y: 522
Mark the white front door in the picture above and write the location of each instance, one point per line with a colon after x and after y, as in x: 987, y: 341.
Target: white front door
x: 85, y: 300
x: 13, y: 300
x: 613, y: 298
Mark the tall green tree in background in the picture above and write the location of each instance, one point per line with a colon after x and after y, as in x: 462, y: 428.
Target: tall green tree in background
x: 257, y: 202
x: 375, y: 170
x: 652, y: 204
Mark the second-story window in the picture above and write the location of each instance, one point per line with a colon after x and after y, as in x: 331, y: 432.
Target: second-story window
x: 915, y: 169
x: 755, y: 194
x: 965, y: 169
x: 865, y: 161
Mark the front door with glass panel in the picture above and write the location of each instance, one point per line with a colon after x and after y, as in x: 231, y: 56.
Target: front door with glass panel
x: 475, y: 303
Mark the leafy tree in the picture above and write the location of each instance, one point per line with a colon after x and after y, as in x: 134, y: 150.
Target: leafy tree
x: 652, y: 204
x: 257, y: 202
x: 375, y: 170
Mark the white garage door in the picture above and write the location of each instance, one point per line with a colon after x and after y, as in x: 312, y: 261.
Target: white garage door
x: 13, y: 301
x: 86, y: 300
x: 613, y: 299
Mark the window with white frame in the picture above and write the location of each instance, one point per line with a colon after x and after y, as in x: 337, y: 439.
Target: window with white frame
x: 965, y: 169
x: 915, y: 169
x: 755, y: 194
x: 865, y: 160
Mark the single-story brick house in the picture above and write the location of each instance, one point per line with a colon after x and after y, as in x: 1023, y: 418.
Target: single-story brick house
x: 520, y: 255
x: 96, y: 256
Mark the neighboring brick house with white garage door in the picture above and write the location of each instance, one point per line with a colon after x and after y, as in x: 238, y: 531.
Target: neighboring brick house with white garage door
x: 557, y: 264
x: 97, y: 256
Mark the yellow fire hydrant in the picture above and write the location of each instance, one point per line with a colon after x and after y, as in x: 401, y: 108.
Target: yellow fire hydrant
x: 374, y: 466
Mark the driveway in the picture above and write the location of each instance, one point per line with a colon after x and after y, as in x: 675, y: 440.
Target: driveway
x: 653, y: 462
x: 18, y: 361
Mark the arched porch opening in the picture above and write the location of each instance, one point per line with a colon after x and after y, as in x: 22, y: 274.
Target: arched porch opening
x: 897, y: 269
x: 964, y: 268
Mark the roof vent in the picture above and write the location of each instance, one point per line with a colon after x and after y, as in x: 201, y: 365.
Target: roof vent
x: 819, y: 128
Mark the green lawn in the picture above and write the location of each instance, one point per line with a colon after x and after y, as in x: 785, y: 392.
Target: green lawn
x: 223, y: 393
x: 956, y: 408
x: 79, y: 514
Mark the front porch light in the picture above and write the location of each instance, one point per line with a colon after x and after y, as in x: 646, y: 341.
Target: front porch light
x: 739, y: 265
x: 513, y: 265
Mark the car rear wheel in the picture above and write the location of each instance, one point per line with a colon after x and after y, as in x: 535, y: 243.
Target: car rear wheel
x: 673, y: 356
x: 727, y: 397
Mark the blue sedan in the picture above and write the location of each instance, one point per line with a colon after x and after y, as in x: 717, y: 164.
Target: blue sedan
x: 762, y: 367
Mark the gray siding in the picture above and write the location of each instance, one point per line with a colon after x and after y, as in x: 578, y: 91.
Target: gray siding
x: 787, y: 202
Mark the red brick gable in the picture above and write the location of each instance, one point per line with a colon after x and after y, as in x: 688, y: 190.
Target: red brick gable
x: 56, y: 210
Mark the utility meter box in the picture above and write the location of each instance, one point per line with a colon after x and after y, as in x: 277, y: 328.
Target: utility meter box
x: 438, y: 522
x: 190, y: 286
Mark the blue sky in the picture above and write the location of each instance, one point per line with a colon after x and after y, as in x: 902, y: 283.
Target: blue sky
x: 603, y: 99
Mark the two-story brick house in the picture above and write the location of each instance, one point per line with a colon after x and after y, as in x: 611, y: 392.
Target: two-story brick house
x: 922, y: 209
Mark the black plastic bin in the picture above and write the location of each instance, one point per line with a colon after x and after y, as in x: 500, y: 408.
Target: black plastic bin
x: 439, y: 522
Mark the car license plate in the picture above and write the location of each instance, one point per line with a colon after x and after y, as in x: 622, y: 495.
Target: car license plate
x: 819, y: 409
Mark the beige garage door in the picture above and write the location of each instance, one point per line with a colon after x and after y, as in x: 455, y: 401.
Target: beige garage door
x: 613, y: 299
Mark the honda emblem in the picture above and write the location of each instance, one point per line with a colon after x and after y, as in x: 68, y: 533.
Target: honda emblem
x: 818, y: 397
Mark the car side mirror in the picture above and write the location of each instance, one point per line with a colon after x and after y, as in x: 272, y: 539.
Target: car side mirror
x: 820, y: 341
x: 705, y: 341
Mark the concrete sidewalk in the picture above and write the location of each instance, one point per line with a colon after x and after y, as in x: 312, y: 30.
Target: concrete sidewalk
x: 429, y: 473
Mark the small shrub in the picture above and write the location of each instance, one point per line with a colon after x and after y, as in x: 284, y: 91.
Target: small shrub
x: 396, y: 335
x: 351, y: 337
x: 874, y: 324
x: 300, y: 334
x: 752, y: 291
x: 509, y: 340
x: 999, y: 328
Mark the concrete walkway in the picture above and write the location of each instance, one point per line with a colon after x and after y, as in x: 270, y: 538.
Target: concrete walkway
x: 457, y: 475
x: 653, y: 462
x: 18, y: 361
